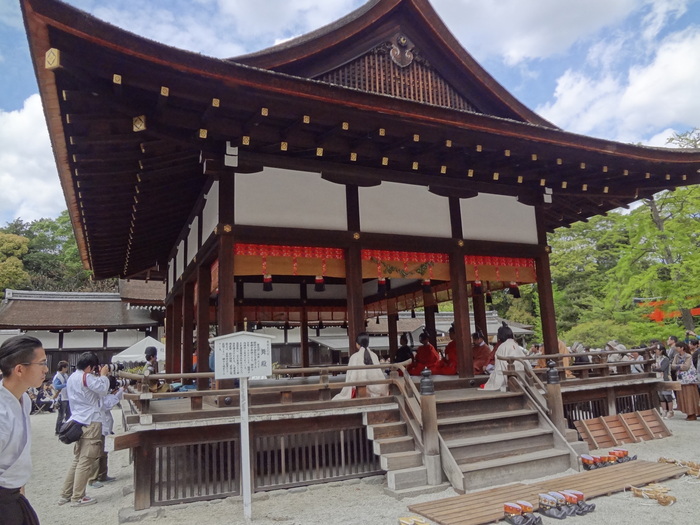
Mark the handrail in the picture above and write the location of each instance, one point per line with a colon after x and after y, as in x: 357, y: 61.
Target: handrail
x: 533, y: 393
x: 276, y: 371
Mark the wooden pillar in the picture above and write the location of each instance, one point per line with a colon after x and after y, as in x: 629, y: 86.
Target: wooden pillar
x: 169, y: 336
x: 460, y: 300
x: 177, y: 335
x: 226, y: 309
x: 202, y: 316
x: 479, y: 304
x: 355, y: 298
x: 544, y: 289
x: 144, y: 468
x: 187, y: 326
x: 304, y: 338
x: 393, y: 320
x: 430, y: 310
x: 226, y: 314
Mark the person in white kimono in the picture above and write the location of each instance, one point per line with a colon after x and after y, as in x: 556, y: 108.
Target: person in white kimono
x: 363, y: 356
x: 507, y: 348
x: 23, y: 366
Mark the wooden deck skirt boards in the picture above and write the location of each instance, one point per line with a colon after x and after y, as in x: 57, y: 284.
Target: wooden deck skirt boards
x: 611, y: 431
x: 486, y: 506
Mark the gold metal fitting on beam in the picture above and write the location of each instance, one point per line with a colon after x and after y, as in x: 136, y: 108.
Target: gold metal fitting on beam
x: 139, y: 123
x: 52, y: 59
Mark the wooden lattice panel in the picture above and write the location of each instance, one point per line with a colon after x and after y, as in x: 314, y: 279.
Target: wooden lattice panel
x: 611, y: 431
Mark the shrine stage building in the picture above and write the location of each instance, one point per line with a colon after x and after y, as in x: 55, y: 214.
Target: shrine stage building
x: 367, y: 168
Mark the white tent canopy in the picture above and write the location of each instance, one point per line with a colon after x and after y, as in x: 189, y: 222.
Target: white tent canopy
x: 137, y: 351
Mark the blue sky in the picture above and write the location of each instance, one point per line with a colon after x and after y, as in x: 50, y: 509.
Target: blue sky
x: 625, y: 70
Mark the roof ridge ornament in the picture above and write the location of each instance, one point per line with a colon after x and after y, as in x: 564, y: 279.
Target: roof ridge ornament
x: 401, y: 50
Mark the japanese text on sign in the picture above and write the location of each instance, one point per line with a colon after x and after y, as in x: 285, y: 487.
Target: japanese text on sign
x: 242, y: 356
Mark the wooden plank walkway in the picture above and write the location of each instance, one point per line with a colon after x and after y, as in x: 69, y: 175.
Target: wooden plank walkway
x: 486, y: 506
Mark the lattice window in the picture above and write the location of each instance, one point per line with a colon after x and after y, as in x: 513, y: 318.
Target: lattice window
x: 304, y: 458
x: 196, y: 472
x: 375, y: 72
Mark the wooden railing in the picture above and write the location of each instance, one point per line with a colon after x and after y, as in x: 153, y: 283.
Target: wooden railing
x: 597, y: 362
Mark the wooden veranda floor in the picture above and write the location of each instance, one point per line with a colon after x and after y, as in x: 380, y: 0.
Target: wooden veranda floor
x: 486, y: 506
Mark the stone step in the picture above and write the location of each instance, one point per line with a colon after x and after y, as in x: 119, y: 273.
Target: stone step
x: 401, y: 460
x: 514, y: 468
x: 485, y: 424
x: 386, y: 430
x: 492, y: 446
x: 406, y: 478
x: 393, y: 444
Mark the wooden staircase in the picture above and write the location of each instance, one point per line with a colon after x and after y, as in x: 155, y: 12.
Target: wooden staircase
x: 492, y: 438
x: 486, y: 439
x: 397, y: 450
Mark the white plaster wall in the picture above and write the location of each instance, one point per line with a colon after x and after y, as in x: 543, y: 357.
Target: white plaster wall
x: 171, y: 275
x: 88, y: 339
x: 192, y: 246
x: 124, y: 338
x: 210, y: 214
x: 498, y: 218
x: 295, y: 199
x: 180, y: 258
x: 404, y: 209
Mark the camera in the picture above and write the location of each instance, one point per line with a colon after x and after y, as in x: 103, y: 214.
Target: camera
x: 113, y: 368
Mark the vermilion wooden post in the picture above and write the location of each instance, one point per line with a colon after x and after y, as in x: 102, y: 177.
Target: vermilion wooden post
x: 460, y: 301
x: 202, y: 315
x: 355, y: 299
x: 544, y: 288
x: 187, y: 326
x: 177, y: 335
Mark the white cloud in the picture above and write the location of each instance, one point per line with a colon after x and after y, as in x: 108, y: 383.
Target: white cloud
x: 632, y: 104
x: 660, y: 12
x: 28, y: 178
x: 282, y: 18
x: 516, y: 30
x: 666, y: 90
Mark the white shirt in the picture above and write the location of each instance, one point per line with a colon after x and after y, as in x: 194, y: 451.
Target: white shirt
x: 85, y: 397
x: 15, y: 439
x: 107, y: 403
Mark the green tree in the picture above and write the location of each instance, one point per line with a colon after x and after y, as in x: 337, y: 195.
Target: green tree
x: 662, y: 260
x: 12, y: 273
x: 52, y: 259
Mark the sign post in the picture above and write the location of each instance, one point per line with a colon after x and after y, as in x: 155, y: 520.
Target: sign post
x: 239, y: 356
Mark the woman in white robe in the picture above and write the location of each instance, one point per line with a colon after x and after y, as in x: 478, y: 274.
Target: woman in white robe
x: 507, y: 348
x: 363, y: 356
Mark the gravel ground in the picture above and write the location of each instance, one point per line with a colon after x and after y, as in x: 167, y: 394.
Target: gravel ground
x: 350, y: 502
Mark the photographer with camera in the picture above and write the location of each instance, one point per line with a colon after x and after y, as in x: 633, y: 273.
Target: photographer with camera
x: 85, y: 389
x: 107, y: 403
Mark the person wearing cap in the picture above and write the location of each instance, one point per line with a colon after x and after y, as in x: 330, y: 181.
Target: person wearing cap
x: 152, y: 359
x: 23, y: 365
x: 447, y: 366
x: 507, y: 347
x: 426, y: 356
x: 482, y: 355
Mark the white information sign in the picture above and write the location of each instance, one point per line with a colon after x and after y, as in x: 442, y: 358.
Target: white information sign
x: 242, y: 354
